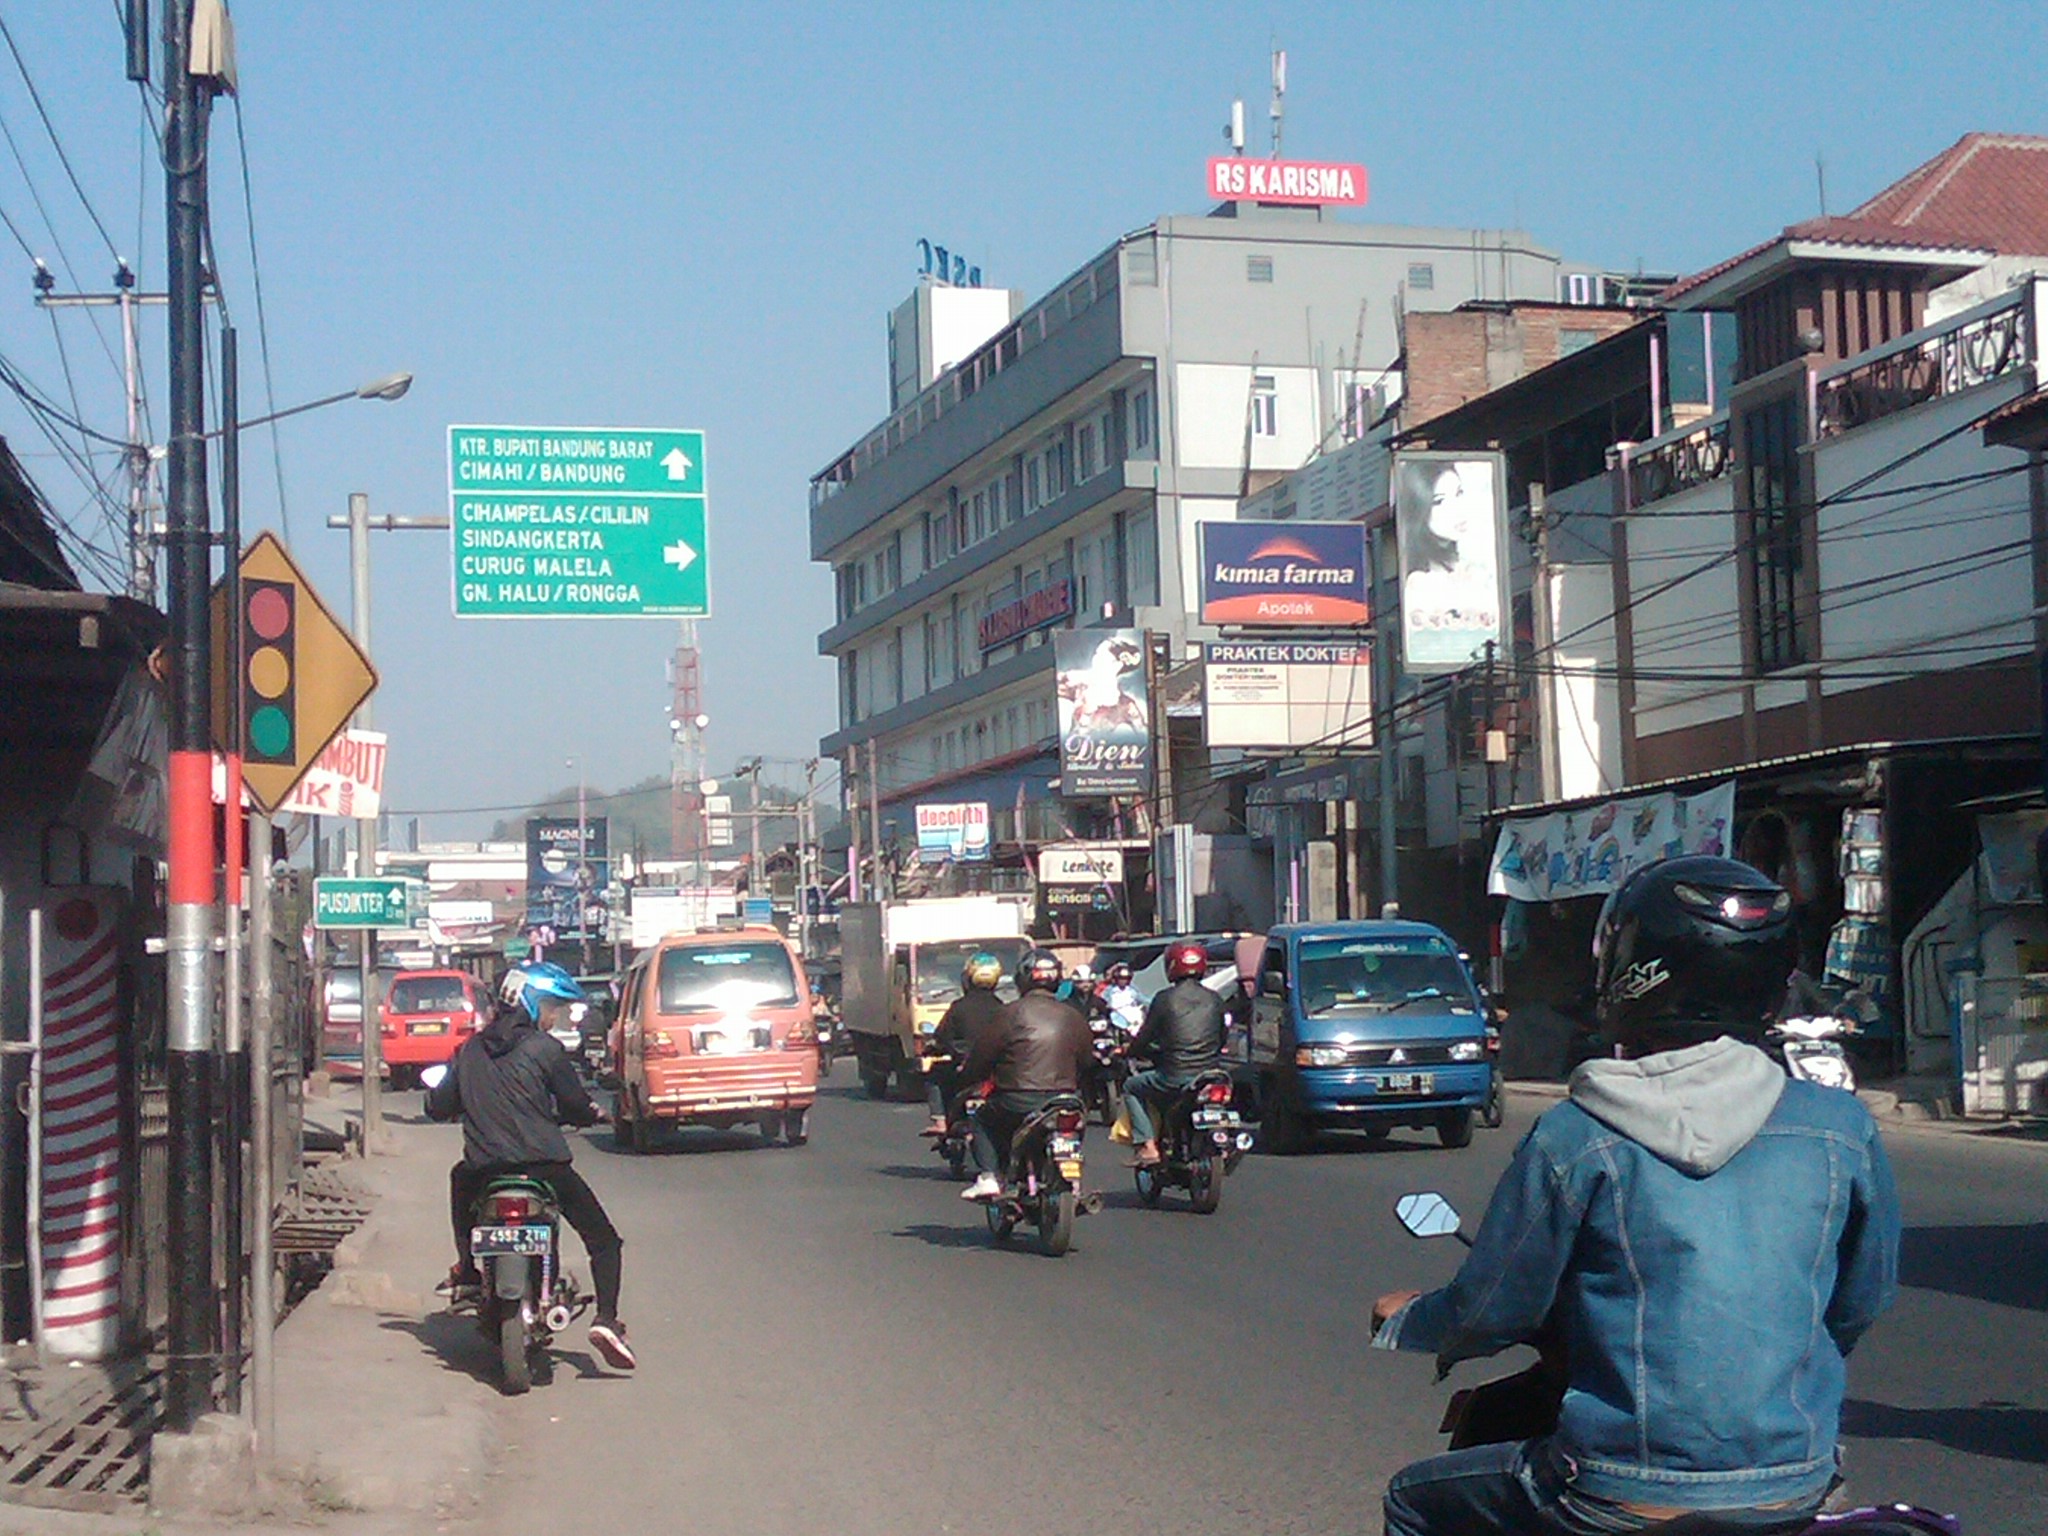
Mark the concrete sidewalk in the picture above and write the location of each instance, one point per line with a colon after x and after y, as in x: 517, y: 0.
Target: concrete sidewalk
x: 1892, y: 1113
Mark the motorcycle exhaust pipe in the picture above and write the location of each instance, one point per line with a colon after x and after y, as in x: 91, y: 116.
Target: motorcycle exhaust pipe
x: 557, y: 1319
x: 1244, y: 1141
x: 1090, y: 1204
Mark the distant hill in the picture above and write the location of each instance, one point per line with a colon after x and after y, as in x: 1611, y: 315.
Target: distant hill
x: 639, y: 816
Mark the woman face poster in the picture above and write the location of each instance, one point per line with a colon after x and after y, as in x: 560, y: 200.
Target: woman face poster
x: 1447, y: 515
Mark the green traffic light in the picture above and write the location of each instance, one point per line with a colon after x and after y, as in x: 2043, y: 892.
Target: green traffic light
x: 270, y: 731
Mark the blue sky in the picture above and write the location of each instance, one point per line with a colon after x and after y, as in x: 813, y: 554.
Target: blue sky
x: 676, y: 214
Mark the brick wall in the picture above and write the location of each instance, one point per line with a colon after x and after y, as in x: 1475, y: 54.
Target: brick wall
x: 1457, y: 357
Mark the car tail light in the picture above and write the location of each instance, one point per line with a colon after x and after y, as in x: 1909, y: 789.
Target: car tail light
x: 1068, y: 1122
x: 1216, y: 1093
x: 513, y: 1208
x: 654, y: 1043
x: 802, y: 1036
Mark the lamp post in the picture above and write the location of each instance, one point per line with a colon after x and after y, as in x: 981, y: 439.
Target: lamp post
x: 583, y: 881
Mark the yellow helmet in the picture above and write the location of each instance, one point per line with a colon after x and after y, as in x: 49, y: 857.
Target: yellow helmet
x: 983, y: 970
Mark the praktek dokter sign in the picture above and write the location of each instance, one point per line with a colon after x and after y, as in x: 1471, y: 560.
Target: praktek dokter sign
x: 1284, y: 575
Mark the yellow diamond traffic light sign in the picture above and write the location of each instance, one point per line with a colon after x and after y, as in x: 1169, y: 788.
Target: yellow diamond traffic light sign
x: 302, y: 674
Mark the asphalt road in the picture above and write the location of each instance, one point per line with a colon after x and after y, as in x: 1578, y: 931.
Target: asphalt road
x: 830, y: 1344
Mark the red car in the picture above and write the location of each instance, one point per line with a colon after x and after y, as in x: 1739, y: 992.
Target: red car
x: 426, y: 1015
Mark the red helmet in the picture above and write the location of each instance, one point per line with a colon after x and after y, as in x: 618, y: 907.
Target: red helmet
x: 1185, y: 962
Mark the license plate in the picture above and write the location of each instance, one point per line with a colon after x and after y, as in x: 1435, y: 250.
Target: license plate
x: 437, y: 1027
x: 1070, y: 1169
x: 530, y: 1242
x: 1215, y: 1116
x: 1064, y: 1146
x: 1408, y: 1082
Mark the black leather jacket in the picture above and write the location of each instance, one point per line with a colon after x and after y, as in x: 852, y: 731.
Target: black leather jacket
x: 513, y: 1087
x: 1038, y: 1045
x: 971, y: 1015
x: 1183, y: 1030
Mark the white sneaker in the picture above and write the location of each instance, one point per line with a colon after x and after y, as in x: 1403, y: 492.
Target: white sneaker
x: 986, y: 1187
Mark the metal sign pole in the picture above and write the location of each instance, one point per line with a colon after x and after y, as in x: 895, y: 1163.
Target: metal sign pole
x: 262, y: 1084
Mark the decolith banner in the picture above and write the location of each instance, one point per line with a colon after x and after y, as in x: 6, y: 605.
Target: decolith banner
x: 1105, y: 713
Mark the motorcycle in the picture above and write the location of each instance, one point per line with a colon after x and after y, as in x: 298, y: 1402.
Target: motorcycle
x: 1201, y: 1139
x: 1812, y: 1049
x: 516, y: 1239
x: 1102, y: 1084
x: 1525, y: 1406
x: 953, y: 1142
x: 1045, y: 1187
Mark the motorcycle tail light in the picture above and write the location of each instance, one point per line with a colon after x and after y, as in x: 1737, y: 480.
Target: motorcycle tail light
x: 1216, y: 1093
x: 512, y: 1209
x: 1067, y: 1122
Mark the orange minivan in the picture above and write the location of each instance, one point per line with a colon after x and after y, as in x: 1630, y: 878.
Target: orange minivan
x: 715, y: 1029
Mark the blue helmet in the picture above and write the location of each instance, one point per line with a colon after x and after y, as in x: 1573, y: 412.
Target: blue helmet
x: 527, y: 985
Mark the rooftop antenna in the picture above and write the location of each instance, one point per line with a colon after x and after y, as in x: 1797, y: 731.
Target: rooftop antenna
x: 1820, y: 175
x: 1233, y: 131
x: 1279, y: 108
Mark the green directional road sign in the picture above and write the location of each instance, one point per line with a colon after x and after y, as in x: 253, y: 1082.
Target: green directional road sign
x: 385, y: 902
x: 578, y: 522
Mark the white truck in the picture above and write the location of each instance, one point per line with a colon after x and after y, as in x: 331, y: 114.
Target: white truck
x: 901, y: 964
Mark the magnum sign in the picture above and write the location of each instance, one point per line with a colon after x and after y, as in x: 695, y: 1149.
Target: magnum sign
x: 1105, y: 713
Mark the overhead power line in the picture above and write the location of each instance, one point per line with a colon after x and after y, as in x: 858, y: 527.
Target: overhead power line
x: 56, y: 142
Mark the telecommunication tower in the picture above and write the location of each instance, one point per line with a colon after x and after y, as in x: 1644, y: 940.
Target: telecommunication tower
x: 686, y: 724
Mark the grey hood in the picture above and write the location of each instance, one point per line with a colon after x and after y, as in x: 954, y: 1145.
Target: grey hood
x: 1694, y: 1108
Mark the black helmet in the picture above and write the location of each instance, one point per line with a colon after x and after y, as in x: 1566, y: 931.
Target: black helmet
x: 1041, y: 969
x: 1688, y: 949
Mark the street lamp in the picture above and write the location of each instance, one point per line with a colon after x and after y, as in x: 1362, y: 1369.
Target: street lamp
x: 391, y: 387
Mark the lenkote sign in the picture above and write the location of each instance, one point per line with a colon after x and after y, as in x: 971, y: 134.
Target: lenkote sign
x: 1236, y: 179
x: 1081, y: 866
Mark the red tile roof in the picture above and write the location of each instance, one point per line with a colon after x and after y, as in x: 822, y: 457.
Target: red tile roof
x: 1985, y: 192
x: 1989, y: 188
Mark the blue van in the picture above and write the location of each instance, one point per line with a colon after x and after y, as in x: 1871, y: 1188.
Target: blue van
x: 1366, y: 1026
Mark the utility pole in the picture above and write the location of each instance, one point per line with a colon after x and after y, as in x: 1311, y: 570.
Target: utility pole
x: 882, y: 882
x: 850, y: 777
x: 234, y: 1108
x: 360, y: 524
x: 141, y: 543
x: 1386, y: 735
x: 262, y: 1155
x: 584, y: 886
x: 188, y: 943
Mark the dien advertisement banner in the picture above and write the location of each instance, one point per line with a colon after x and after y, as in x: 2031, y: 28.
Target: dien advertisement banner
x: 1284, y: 574
x: 561, y: 880
x: 1449, y: 516
x: 1315, y: 183
x: 1590, y: 851
x: 1105, y: 713
x: 957, y: 831
x: 1288, y: 694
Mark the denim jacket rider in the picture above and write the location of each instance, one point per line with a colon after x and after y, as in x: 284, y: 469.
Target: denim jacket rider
x: 1712, y: 1240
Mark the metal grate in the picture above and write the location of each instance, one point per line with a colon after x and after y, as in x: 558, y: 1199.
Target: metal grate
x: 89, y: 1451
x: 326, y: 1208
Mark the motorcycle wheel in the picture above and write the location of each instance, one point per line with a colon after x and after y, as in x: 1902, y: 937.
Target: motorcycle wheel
x: 1205, y: 1184
x: 1056, y: 1221
x: 1150, y: 1185
x: 1281, y: 1130
x: 875, y: 1083
x: 512, y: 1357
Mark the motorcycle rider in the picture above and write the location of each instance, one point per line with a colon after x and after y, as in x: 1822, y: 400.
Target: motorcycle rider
x: 514, y: 1087
x: 967, y: 1017
x: 1709, y: 1238
x: 1182, y: 1036
x: 1120, y: 997
x: 1037, y: 1049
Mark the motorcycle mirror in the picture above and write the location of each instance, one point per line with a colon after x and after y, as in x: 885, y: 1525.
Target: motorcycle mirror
x: 1427, y: 1215
x: 434, y: 1076
x: 1274, y: 984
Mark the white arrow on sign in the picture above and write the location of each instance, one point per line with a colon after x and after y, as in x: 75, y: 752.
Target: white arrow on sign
x: 678, y: 464
x: 679, y: 555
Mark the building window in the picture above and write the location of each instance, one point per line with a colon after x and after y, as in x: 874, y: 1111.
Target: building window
x: 849, y: 687
x: 1141, y: 421
x: 1265, y: 406
x: 1058, y: 466
x: 895, y: 667
x: 1578, y: 288
x: 1570, y: 340
x: 1141, y: 264
x: 1034, y: 484
x: 1778, y: 527
x: 1258, y: 269
x: 1421, y: 275
x: 1084, y: 451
